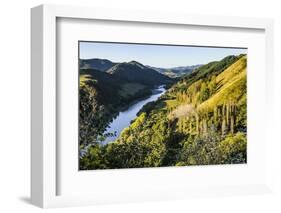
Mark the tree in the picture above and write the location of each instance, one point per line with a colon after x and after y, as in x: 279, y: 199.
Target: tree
x: 204, y: 92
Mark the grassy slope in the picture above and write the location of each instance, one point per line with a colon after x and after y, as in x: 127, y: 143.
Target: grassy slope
x: 231, y: 84
x: 230, y: 77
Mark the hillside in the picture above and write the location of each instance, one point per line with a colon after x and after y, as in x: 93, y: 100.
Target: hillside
x: 200, y: 120
x: 111, y: 90
x: 231, y: 85
x: 136, y: 72
x: 101, y: 97
x: 96, y: 63
x: 103, y: 94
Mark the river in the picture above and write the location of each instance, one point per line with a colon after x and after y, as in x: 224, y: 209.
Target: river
x: 124, y: 118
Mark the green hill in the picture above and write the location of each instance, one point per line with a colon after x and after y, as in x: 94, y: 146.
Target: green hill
x: 96, y: 63
x: 136, y: 72
x: 231, y: 86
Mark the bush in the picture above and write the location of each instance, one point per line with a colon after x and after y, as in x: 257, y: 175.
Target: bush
x: 233, y: 149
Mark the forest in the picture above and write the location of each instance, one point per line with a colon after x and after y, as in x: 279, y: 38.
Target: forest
x: 201, y: 119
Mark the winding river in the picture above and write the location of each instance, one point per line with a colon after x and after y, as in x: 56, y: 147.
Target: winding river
x: 124, y: 118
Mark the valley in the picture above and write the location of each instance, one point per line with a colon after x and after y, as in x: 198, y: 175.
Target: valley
x: 125, y: 117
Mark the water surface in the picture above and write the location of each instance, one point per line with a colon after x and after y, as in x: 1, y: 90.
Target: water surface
x: 125, y: 117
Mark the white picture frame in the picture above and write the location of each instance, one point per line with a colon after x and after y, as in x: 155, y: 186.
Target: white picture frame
x: 44, y: 169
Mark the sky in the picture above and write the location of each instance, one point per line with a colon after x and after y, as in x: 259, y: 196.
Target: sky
x: 164, y: 56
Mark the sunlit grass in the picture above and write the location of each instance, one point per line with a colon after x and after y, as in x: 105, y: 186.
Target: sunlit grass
x: 83, y: 79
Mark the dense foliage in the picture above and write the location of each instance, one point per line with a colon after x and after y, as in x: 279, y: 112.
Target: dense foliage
x: 200, y: 120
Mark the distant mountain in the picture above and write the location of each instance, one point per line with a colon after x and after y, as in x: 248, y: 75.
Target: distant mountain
x: 105, y: 64
x: 96, y: 63
x: 136, y: 72
x: 175, y: 72
x: 158, y: 69
x: 185, y: 68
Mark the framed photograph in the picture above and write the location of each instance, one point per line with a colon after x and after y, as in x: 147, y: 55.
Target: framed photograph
x: 129, y: 106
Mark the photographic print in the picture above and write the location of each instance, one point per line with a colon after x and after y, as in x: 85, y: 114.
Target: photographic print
x: 157, y: 105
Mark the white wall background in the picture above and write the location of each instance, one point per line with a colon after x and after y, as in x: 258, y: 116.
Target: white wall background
x: 15, y: 105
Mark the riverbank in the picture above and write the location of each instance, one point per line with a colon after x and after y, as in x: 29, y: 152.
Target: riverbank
x: 124, y: 118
